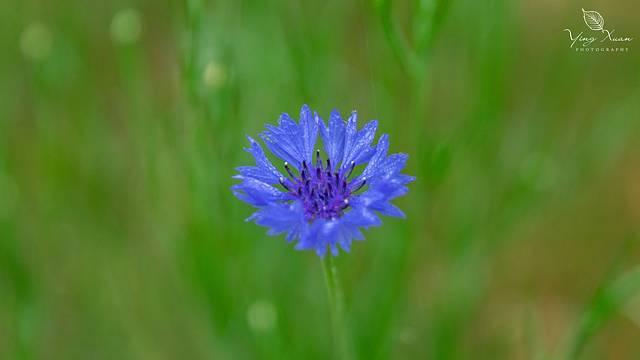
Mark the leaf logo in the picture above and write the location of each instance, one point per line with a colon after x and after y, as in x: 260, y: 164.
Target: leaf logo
x: 593, y: 19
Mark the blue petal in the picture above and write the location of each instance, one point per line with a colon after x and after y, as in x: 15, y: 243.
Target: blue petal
x: 256, y: 173
x: 349, y: 136
x: 339, y: 232
x: 365, y: 155
x: 359, y: 149
x: 345, y: 245
x: 388, y: 168
x: 264, y: 170
x: 281, y: 218
x: 361, y: 216
x: 309, y: 130
x: 328, y: 234
x: 333, y: 138
x: 377, y: 159
x: 321, y: 250
x: 334, y: 249
x: 256, y: 192
x: 389, y: 209
x: 309, y: 237
x: 285, y: 141
x: 404, y: 179
x: 379, y: 201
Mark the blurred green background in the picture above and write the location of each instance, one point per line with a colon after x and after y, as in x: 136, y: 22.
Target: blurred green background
x: 121, y: 123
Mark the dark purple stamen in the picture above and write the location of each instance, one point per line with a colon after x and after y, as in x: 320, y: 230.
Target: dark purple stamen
x: 325, y: 197
x: 364, y: 181
x: 353, y: 165
x: 318, y: 159
x: 286, y: 167
x: 284, y: 185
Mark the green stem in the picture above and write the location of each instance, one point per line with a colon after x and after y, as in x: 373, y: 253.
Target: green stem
x: 336, y: 308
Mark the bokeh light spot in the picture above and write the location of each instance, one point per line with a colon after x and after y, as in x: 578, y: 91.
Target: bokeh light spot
x: 215, y: 75
x: 261, y: 316
x: 126, y: 27
x: 36, y: 41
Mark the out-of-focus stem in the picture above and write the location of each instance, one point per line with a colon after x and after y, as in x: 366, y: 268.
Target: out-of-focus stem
x: 341, y: 337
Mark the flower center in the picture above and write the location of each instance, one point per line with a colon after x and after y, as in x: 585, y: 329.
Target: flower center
x: 323, y: 193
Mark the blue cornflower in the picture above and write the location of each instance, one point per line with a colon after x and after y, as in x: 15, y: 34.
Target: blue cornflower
x: 322, y: 204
